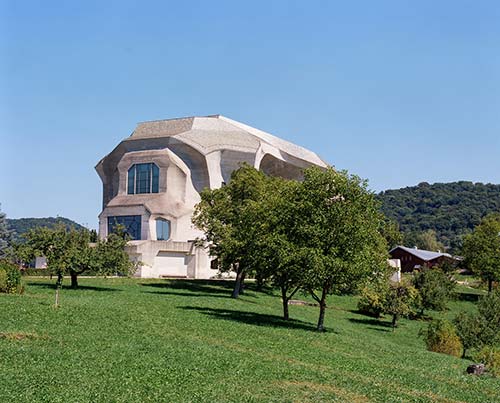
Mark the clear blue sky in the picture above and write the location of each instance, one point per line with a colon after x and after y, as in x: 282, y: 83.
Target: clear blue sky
x: 398, y: 92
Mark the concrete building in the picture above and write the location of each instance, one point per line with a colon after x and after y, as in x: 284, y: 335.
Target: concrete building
x: 152, y: 180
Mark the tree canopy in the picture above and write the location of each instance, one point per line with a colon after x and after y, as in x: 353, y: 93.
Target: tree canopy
x: 321, y: 235
x: 482, y: 249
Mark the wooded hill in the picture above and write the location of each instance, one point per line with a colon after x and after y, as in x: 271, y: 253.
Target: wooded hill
x: 22, y: 225
x: 450, y: 209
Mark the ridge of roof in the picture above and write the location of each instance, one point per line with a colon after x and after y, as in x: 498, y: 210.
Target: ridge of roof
x: 421, y: 253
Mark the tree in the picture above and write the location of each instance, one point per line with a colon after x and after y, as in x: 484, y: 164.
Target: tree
x: 401, y: 300
x: 228, y: 218
x: 336, y: 223
x: 390, y: 231
x: 5, y: 236
x: 481, y: 249
x: 469, y: 327
x: 426, y: 240
x: 489, y: 312
x: 69, y: 251
x: 435, y: 288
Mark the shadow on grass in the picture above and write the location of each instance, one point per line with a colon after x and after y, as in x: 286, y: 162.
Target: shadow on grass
x: 467, y: 296
x: 379, y: 324
x: 251, y: 318
x: 68, y: 287
x: 198, y: 288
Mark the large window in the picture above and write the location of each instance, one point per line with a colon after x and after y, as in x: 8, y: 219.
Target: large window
x: 162, y: 229
x: 143, y: 178
x: 131, y: 223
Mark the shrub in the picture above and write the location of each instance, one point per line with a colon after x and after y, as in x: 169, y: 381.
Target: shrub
x: 490, y: 357
x: 441, y: 337
x: 371, y: 302
x: 10, y: 280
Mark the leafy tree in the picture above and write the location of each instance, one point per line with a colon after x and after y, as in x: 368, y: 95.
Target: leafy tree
x: 336, y: 224
x: 390, y: 231
x: 481, y: 249
x: 435, y: 288
x: 71, y: 252
x: 227, y: 216
x: 401, y: 300
x: 5, y: 236
x: 427, y: 240
x: 489, y: 312
x: 469, y: 328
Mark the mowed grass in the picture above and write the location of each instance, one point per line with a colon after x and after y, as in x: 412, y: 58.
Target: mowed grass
x: 134, y: 340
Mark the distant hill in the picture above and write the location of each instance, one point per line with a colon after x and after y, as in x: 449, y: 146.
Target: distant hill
x: 22, y: 225
x: 451, y: 209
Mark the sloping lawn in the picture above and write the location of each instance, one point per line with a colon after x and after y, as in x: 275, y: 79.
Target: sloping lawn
x: 128, y: 340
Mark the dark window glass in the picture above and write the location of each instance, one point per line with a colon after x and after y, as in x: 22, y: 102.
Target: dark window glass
x: 131, y: 180
x: 132, y: 224
x: 162, y: 229
x: 156, y: 178
x: 143, y: 178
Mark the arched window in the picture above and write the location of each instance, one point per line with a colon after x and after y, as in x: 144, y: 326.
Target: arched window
x: 143, y: 178
x: 162, y: 229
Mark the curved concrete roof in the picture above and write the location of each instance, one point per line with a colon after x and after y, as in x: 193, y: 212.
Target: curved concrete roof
x: 216, y: 132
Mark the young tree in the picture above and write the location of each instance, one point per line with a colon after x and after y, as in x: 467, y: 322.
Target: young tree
x: 481, y: 249
x: 336, y: 223
x: 469, y: 327
x: 71, y: 252
x: 435, y: 288
x: 401, y: 300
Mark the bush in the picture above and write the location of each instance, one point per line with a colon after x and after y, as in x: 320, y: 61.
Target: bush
x: 10, y: 278
x: 441, y: 337
x: 371, y: 302
x: 490, y: 357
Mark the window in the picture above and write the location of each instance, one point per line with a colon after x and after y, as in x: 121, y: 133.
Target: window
x: 143, y: 178
x: 132, y: 224
x: 162, y: 229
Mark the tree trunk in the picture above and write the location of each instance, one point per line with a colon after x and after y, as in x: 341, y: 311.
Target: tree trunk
x: 237, y: 283
x: 259, y: 281
x: 490, y: 285
x: 394, y: 321
x: 242, y: 282
x: 322, y: 309
x: 284, y: 298
x: 74, y: 280
x: 58, y: 288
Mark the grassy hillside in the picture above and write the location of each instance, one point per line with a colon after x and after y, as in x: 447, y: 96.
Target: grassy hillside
x: 22, y: 225
x: 451, y: 209
x: 125, y: 340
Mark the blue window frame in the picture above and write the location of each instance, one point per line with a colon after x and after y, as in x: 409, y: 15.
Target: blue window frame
x: 162, y: 229
x: 132, y: 224
x: 143, y: 178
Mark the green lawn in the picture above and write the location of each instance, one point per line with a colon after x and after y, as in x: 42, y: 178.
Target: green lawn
x: 126, y: 340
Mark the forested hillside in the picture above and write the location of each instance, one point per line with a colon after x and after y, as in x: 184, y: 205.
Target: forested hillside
x: 22, y: 225
x: 450, y: 209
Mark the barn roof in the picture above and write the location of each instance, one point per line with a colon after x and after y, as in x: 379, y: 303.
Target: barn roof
x: 425, y: 255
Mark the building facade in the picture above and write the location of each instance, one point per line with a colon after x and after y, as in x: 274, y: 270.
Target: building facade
x: 152, y: 180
